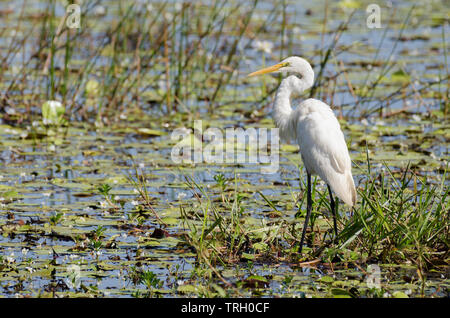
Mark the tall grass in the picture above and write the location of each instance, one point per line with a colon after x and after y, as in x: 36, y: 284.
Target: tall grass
x: 398, y: 220
x: 159, y: 55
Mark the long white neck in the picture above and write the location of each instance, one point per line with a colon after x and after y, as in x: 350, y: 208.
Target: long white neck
x: 282, y: 106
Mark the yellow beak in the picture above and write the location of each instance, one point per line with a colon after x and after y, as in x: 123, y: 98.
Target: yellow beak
x: 269, y: 69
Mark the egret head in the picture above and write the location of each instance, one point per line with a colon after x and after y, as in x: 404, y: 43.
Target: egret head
x: 292, y: 65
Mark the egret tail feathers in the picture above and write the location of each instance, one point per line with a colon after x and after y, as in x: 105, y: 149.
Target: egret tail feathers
x: 344, y: 187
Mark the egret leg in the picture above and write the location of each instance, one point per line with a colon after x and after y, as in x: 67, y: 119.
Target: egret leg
x: 308, y: 210
x: 333, y: 210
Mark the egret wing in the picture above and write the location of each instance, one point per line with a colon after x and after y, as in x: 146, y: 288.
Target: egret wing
x: 323, y: 149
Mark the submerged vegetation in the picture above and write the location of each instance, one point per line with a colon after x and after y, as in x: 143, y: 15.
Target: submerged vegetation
x: 91, y: 204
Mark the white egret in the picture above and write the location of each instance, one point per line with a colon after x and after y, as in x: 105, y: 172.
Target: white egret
x: 317, y: 131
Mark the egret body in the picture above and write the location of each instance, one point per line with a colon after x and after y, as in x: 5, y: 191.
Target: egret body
x: 317, y: 131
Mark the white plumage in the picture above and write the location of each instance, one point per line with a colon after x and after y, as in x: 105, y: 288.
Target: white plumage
x: 317, y: 131
x: 323, y: 148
